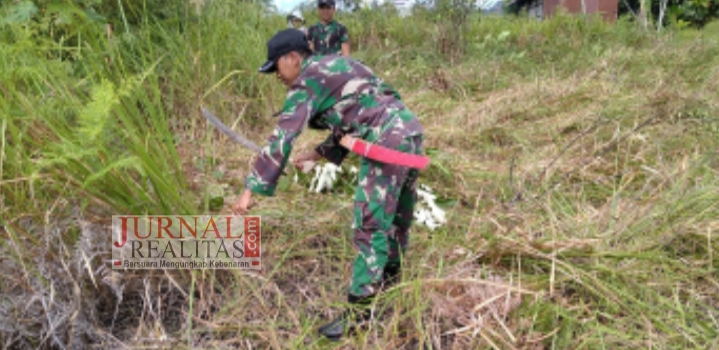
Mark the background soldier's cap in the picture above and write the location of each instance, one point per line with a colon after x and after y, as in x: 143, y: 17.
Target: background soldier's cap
x: 330, y: 3
x: 283, y: 42
x: 295, y: 15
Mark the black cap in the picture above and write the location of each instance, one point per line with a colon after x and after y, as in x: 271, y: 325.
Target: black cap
x: 283, y: 42
x: 330, y: 3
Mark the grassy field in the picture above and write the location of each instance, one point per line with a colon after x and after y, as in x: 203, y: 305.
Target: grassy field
x: 576, y: 161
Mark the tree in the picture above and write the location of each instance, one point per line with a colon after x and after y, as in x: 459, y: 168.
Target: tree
x: 695, y: 13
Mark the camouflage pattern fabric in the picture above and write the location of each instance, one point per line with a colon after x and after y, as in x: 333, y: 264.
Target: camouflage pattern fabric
x: 383, y: 212
x: 338, y: 94
x: 327, y: 39
x: 343, y: 96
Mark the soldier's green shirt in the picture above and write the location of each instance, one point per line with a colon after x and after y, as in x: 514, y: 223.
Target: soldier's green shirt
x: 339, y: 94
x: 327, y: 39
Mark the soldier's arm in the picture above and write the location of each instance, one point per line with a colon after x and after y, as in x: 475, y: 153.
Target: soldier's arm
x: 345, y: 40
x: 310, y: 38
x: 331, y: 150
x: 299, y: 105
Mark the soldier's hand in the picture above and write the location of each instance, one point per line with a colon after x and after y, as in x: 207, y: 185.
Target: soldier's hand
x: 306, y: 161
x: 243, y: 204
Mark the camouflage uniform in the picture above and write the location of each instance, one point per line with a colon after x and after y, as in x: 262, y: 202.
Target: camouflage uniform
x: 342, y: 95
x: 327, y: 39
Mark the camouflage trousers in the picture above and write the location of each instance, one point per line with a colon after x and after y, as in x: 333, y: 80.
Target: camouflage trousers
x: 383, y: 213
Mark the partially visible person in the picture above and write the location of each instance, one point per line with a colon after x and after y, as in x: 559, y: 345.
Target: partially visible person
x: 296, y: 21
x: 328, y: 37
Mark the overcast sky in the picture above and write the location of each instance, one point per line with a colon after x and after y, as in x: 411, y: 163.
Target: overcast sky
x: 287, y: 5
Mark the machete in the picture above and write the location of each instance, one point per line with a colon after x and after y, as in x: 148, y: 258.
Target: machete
x: 358, y: 146
x: 227, y: 131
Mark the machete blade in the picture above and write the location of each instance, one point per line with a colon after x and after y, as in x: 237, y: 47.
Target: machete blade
x: 227, y: 131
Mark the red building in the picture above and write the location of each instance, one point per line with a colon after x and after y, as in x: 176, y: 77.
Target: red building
x: 546, y: 8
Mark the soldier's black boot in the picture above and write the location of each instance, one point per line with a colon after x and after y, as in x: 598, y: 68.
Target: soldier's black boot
x: 355, y: 316
x: 391, y: 274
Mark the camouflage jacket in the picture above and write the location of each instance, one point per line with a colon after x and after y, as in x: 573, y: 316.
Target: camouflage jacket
x: 328, y: 39
x: 339, y: 94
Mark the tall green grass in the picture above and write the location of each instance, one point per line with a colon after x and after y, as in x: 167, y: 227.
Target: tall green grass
x: 103, y: 120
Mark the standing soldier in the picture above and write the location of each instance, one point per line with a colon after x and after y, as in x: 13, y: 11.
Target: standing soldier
x: 328, y: 37
x: 339, y: 94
